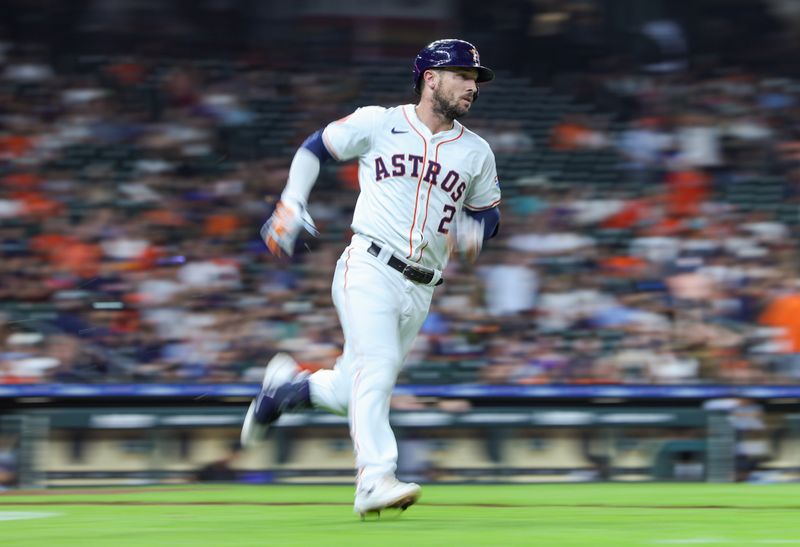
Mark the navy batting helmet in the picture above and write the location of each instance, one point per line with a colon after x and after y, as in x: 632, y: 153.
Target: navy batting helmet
x: 449, y: 52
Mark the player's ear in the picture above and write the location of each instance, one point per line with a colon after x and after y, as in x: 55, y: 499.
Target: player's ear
x: 429, y: 78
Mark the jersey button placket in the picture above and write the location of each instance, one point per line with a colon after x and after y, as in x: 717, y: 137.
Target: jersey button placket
x: 419, y: 236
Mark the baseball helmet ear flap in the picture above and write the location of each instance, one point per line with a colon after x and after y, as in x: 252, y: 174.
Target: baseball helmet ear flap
x: 447, y: 53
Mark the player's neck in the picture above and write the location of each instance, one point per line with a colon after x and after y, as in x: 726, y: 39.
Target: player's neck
x: 433, y: 121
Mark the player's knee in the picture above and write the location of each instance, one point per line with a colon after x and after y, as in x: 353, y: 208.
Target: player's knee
x: 378, y: 371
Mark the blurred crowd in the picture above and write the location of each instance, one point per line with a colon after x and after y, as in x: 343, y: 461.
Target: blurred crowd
x: 132, y: 191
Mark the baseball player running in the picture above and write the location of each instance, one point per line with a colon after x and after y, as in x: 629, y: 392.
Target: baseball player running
x: 429, y: 189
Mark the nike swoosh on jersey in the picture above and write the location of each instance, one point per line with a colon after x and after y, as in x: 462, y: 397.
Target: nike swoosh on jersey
x: 396, y: 132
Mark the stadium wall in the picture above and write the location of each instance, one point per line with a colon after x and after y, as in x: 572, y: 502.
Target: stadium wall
x: 99, y: 439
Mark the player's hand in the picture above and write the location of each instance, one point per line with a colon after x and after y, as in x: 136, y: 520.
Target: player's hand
x: 280, y: 231
x: 468, y: 239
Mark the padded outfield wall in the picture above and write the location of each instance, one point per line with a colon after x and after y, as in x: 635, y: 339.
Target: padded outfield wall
x: 62, y: 435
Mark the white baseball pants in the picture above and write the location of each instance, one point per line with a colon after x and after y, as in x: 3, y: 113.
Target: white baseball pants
x: 381, y: 313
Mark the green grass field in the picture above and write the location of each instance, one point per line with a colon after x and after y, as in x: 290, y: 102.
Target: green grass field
x: 541, y: 515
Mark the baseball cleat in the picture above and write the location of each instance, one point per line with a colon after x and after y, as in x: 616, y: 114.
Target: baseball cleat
x: 284, y: 388
x: 388, y: 493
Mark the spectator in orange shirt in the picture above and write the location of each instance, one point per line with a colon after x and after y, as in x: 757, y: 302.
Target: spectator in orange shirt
x: 784, y: 312
x: 686, y: 191
x: 576, y: 133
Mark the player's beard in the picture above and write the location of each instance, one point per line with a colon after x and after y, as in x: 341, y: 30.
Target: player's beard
x: 450, y: 110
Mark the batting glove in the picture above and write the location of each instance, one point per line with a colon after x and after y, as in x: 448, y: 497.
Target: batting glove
x: 280, y: 231
x: 468, y: 240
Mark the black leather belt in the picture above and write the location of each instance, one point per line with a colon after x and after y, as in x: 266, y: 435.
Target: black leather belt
x: 409, y: 271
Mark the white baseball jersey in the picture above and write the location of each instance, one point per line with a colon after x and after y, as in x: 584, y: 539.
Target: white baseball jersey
x: 413, y: 183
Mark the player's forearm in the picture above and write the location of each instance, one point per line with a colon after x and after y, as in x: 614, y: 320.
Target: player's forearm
x: 302, y: 176
x: 305, y: 168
